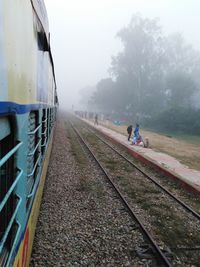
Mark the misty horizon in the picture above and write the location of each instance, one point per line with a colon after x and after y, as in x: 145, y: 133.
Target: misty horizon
x: 83, y: 37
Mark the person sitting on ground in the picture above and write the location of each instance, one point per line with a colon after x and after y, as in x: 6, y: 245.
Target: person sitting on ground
x: 129, y: 131
x: 139, y: 141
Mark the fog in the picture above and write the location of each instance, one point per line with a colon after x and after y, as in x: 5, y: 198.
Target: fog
x: 83, y: 36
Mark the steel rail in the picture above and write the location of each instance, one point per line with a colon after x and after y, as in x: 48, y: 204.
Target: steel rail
x: 189, y: 209
x: 156, y: 248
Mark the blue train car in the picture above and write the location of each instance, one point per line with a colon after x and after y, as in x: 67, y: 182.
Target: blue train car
x: 28, y: 102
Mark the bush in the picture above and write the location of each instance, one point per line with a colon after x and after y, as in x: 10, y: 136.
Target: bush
x: 176, y: 120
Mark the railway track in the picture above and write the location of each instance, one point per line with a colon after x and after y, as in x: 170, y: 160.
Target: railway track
x: 155, y: 248
x: 82, y: 222
x: 146, y: 175
x: 158, y: 215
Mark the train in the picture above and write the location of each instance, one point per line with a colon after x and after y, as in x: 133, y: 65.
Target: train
x: 28, y: 106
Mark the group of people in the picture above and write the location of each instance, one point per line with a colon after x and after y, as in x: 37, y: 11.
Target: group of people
x: 136, y: 139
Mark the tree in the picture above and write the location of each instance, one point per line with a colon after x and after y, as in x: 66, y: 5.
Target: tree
x: 154, y: 76
x: 85, y: 96
x: 181, y: 57
x: 103, y: 96
x: 180, y: 87
x: 140, y: 63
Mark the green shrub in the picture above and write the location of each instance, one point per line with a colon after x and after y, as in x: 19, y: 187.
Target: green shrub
x: 176, y: 120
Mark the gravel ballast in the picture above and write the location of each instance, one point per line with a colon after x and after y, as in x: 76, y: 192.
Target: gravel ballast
x: 81, y: 223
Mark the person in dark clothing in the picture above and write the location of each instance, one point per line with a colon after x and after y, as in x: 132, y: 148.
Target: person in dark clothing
x: 129, y: 131
x: 96, y: 120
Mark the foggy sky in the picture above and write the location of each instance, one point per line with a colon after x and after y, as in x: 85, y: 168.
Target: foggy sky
x: 83, y: 35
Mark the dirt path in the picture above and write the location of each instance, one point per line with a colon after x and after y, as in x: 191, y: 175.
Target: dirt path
x: 187, y: 153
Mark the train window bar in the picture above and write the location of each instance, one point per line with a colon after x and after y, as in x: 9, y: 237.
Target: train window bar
x: 34, y: 154
x: 52, y: 118
x: 9, y: 154
x: 35, y: 166
x: 5, y: 236
x: 17, y: 234
x: 36, y: 130
x: 44, y: 130
x: 9, y: 201
x: 11, y: 189
x: 48, y: 118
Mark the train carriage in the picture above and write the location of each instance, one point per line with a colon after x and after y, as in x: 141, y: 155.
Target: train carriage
x: 28, y: 102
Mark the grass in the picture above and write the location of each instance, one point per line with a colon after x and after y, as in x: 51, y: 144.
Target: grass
x: 110, y: 164
x: 91, y: 186
x: 85, y: 184
x: 76, y: 150
x: 184, y: 147
x: 193, y: 139
x: 165, y: 220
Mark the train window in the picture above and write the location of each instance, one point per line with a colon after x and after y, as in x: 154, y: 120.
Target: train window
x: 34, y: 155
x: 9, y: 177
x: 48, y: 118
x: 42, y: 41
x: 51, y: 119
x: 44, y: 130
x: 53, y: 116
x: 56, y: 100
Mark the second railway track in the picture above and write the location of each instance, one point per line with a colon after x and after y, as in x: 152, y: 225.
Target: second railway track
x: 172, y: 223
